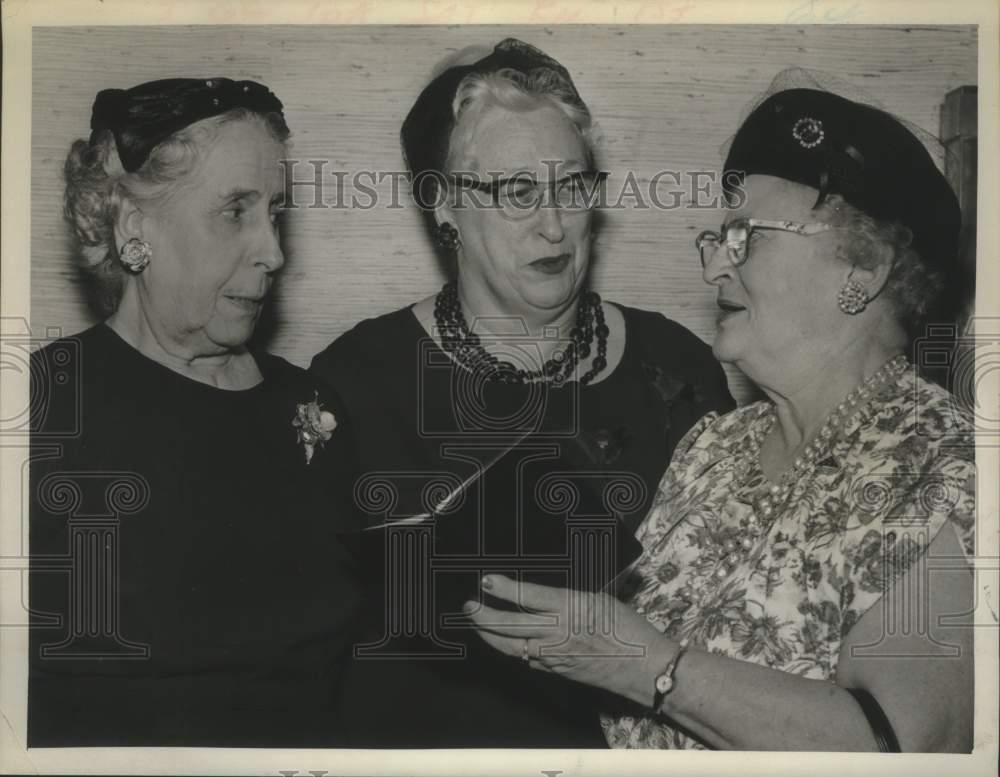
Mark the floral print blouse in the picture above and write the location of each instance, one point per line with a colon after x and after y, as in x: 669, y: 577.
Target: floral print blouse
x: 847, y: 530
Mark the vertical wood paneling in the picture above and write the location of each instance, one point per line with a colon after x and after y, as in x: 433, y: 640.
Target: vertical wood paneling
x: 666, y: 98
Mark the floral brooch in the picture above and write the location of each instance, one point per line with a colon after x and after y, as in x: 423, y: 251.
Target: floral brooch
x: 314, y: 424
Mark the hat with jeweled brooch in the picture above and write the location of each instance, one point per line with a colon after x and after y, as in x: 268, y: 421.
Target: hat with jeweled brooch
x: 868, y: 157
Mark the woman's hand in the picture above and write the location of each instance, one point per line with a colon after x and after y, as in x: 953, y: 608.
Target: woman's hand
x: 587, y: 637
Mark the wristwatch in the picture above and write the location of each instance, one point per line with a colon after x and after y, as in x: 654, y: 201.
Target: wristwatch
x: 664, y: 682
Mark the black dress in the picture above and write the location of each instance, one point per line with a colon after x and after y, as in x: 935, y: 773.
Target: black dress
x: 188, y: 581
x: 419, y: 421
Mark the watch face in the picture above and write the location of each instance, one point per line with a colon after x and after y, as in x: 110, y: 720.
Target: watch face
x: 664, y: 683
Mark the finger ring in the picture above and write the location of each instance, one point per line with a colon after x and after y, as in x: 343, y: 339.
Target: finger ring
x: 524, y: 651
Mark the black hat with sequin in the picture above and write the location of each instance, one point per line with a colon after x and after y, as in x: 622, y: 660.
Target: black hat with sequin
x: 145, y: 115
x: 865, y: 155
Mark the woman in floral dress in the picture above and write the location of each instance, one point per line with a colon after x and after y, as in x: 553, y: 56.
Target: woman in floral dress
x: 805, y: 574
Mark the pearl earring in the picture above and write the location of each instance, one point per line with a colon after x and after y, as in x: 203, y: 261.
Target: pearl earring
x: 853, y: 298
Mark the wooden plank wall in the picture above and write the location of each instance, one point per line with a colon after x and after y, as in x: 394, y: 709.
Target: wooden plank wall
x: 666, y: 98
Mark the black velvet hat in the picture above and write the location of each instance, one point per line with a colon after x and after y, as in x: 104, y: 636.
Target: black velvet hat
x: 427, y: 128
x: 838, y: 146
x: 145, y: 115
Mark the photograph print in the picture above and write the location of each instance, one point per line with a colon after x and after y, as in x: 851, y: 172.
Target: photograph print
x: 502, y: 386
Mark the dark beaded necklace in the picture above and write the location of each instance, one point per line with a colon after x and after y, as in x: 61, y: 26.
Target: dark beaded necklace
x: 466, y: 349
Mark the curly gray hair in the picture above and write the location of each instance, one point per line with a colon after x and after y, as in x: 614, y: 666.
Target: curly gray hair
x: 509, y: 88
x: 97, y: 183
x: 913, y: 288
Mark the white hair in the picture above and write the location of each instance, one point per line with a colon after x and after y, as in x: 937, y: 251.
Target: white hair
x: 512, y: 89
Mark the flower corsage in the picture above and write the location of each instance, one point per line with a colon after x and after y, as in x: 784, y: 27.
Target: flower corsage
x: 314, y: 425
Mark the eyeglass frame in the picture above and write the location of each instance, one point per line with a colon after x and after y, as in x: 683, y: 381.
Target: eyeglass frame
x: 795, y: 227
x: 494, y: 187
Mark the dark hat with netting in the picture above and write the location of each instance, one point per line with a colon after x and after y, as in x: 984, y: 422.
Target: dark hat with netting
x: 867, y: 156
x: 144, y: 116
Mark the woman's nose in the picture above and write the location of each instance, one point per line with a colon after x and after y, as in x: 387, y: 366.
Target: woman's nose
x: 551, y: 226
x: 716, y: 266
x: 269, y: 254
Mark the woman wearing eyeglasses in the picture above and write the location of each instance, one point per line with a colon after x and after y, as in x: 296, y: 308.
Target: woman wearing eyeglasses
x: 804, y: 583
x: 513, y: 351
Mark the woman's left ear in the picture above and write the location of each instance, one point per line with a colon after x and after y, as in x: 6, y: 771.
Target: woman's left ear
x: 875, y: 272
x: 128, y: 223
x: 133, y: 251
x: 443, y: 214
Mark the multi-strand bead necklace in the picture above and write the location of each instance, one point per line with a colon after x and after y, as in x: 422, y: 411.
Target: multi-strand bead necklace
x: 466, y: 348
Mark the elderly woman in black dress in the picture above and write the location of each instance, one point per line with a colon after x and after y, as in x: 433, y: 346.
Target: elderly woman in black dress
x: 513, y: 355
x: 804, y: 583
x: 188, y: 586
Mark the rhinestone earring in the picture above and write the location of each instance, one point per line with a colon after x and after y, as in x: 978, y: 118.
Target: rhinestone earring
x: 135, y: 255
x: 852, y: 298
x: 446, y: 238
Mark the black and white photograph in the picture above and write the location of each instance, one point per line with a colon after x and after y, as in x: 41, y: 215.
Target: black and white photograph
x: 440, y: 394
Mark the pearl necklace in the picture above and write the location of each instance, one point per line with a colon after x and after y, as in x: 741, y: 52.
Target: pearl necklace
x: 844, y: 416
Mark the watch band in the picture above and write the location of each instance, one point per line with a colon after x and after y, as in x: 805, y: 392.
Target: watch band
x: 664, y: 682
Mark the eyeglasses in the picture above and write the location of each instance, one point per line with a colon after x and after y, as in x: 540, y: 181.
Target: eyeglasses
x: 519, y: 196
x: 738, y: 233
